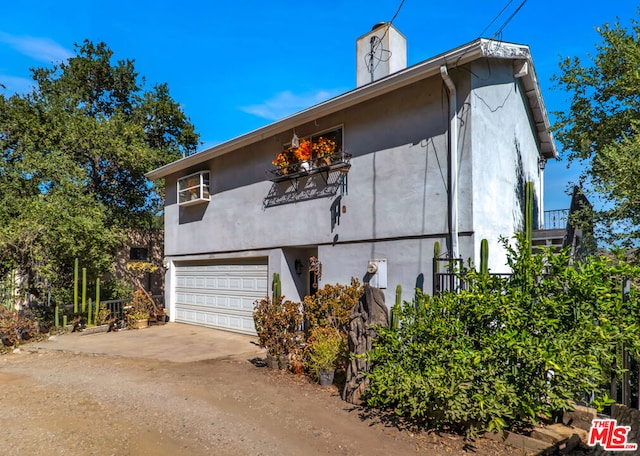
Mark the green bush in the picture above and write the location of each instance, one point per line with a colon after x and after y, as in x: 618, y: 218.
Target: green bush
x: 508, y: 350
x: 323, y: 350
x: 330, y: 307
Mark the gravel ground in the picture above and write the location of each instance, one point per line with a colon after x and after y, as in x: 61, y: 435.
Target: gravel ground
x: 72, y: 404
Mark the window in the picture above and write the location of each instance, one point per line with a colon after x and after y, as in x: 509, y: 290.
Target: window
x: 334, y: 135
x: 194, y: 188
x: 138, y: 254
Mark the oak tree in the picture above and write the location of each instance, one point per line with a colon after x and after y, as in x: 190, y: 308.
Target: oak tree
x: 600, y: 129
x: 73, y: 154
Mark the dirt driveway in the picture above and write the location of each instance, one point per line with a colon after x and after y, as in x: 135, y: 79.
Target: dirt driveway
x: 61, y: 403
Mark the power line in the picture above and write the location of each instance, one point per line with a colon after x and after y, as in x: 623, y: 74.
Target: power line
x: 378, y: 42
x: 397, y: 12
x: 505, y: 23
x: 499, y: 31
x: 495, y: 18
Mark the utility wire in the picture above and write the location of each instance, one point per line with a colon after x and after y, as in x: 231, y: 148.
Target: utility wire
x: 495, y: 18
x: 509, y: 19
x: 397, y: 12
x: 376, y: 43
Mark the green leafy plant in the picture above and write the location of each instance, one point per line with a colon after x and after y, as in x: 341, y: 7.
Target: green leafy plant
x: 508, y: 350
x: 323, y: 350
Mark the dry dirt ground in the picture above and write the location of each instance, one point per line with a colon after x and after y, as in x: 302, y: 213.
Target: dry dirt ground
x: 55, y: 403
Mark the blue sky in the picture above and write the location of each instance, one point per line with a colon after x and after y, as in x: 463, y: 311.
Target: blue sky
x: 235, y: 67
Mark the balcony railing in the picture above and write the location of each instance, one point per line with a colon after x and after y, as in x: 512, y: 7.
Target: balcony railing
x: 556, y: 220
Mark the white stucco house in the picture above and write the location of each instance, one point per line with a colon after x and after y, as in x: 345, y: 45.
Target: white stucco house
x: 436, y: 152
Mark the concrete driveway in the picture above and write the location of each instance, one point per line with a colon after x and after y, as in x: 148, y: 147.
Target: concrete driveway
x: 175, y: 342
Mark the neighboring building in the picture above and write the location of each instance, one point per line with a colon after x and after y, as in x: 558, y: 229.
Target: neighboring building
x: 395, y: 187
x: 139, y: 260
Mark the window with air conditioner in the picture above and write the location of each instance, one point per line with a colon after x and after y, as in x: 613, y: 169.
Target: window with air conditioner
x: 194, y: 189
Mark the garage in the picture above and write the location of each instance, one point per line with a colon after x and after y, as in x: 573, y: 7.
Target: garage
x: 220, y: 295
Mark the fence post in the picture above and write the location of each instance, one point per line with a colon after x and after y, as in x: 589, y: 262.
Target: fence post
x: 626, y: 376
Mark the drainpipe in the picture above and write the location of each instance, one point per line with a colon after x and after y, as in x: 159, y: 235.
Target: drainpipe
x: 453, y: 160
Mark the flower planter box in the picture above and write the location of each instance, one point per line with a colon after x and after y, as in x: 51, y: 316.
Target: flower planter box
x: 139, y: 324
x: 95, y: 330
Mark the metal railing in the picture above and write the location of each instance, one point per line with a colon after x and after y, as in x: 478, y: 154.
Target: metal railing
x: 116, y: 307
x: 556, y: 219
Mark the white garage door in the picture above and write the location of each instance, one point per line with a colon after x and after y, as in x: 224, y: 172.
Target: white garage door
x: 220, y: 295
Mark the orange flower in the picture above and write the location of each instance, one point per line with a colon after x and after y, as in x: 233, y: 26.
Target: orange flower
x: 323, y: 147
x: 303, y: 152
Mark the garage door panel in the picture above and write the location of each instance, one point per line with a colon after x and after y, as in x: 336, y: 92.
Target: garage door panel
x: 213, y: 302
x: 220, y: 295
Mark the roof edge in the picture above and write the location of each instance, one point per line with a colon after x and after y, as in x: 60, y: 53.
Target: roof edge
x: 457, y: 57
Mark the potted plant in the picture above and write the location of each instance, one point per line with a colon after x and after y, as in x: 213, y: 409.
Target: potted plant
x: 303, y: 154
x: 138, y: 311
x: 284, y: 160
x: 323, y: 351
x: 322, y: 151
x: 277, y: 324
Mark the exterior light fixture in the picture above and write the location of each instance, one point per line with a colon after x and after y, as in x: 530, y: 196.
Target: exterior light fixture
x: 542, y: 162
x: 298, y: 266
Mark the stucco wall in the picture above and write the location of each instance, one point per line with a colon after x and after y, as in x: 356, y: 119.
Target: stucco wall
x: 505, y: 156
x: 395, y: 205
x: 396, y: 184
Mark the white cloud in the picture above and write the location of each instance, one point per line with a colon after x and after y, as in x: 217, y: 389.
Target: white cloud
x: 287, y: 103
x: 14, y: 84
x: 42, y: 49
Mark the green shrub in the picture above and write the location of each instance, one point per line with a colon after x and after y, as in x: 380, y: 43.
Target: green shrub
x: 509, y: 349
x: 330, y: 307
x: 323, y: 350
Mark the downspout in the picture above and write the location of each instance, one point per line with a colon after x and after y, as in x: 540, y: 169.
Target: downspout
x: 453, y: 160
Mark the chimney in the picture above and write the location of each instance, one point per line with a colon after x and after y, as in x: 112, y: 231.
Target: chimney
x: 379, y: 53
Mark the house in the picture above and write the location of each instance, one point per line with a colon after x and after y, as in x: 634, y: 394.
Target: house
x: 436, y: 152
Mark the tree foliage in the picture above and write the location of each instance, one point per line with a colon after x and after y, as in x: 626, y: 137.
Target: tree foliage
x: 508, y: 350
x: 73, y: 154
x: 600, y: 128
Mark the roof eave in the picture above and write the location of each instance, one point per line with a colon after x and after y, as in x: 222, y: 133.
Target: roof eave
x: 454, y: 58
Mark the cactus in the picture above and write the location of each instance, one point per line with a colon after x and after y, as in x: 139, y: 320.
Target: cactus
x: 276, y: 286
x: 56, y: 318
x: 89, y: 314
x: 75, y: 286
x: 528, y: 215
x: 395, y: 310
x: 484, y: 257
x: 84, y: 288
x: 97, y: 301
x: 436, y: 254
